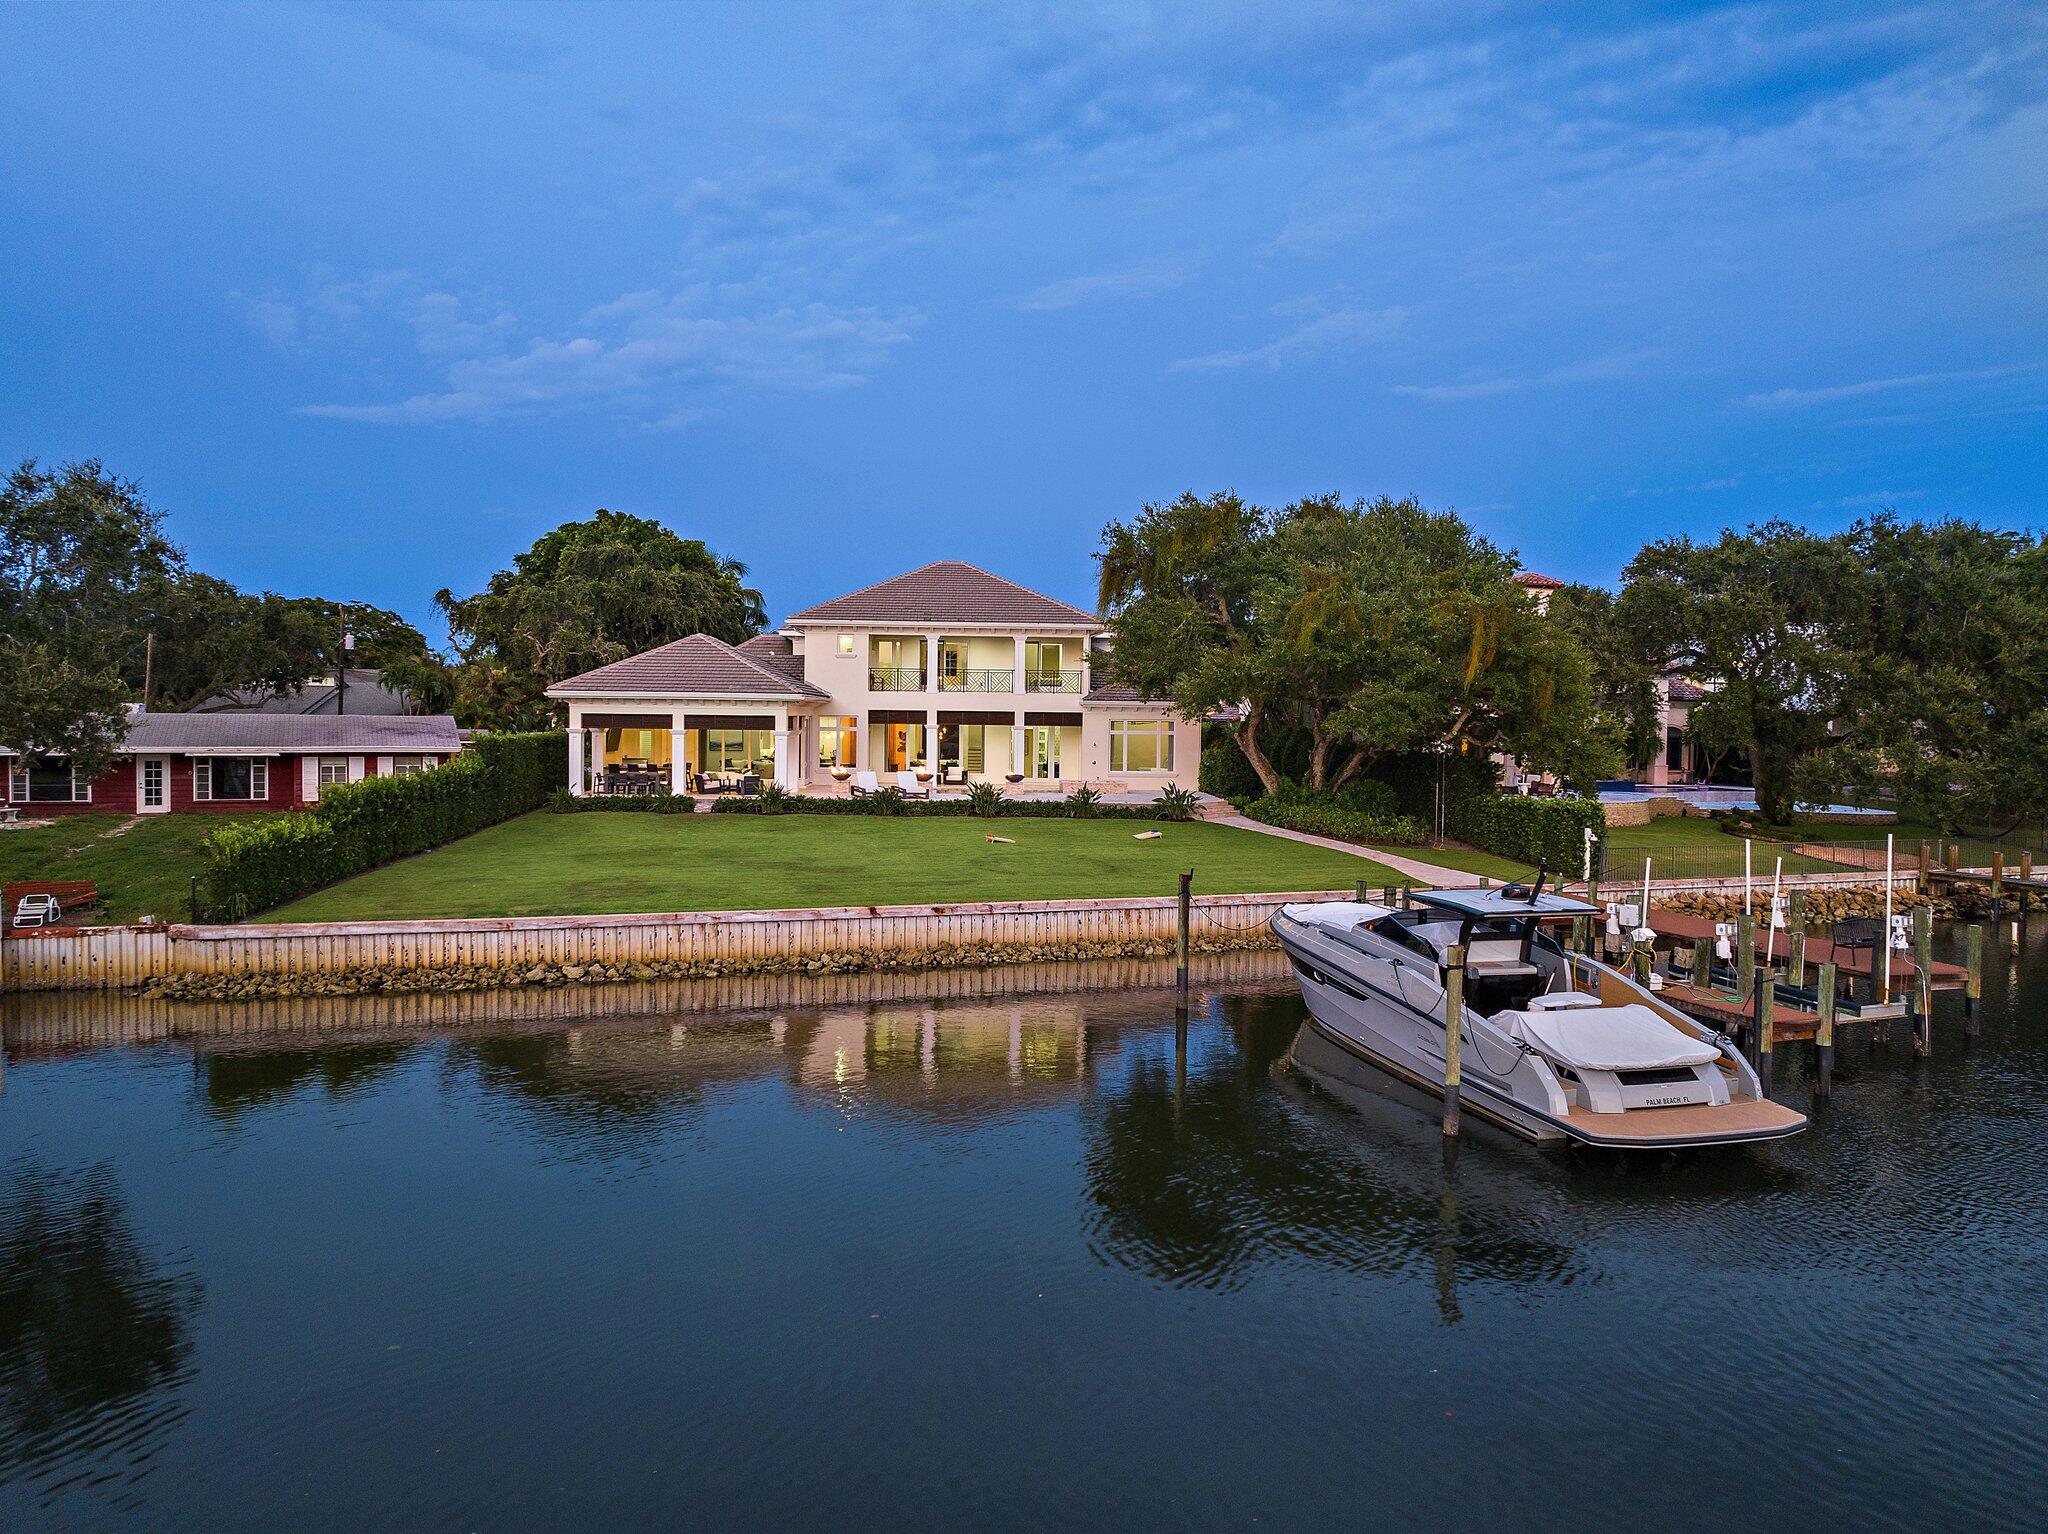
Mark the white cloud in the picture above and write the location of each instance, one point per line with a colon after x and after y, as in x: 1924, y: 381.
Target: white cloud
x: 1799, y: 399
x: 1065, y: 294
x: 646, y: 357
x: 1627, y: 364
x: 1341, y: 329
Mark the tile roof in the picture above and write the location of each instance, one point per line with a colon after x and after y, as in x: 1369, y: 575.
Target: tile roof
x: 778, y: 652
x: 367, y: 694
x: 949, y: 591
x: 1682, y: 691
x: 1116, y: 694
x: 291, y: 733
x: 695, y: 666
x: 1537, y: 582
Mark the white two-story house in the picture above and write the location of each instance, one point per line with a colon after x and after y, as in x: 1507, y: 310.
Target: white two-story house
x: 947, y: 671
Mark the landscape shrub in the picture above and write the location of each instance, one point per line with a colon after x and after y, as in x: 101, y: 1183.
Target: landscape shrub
x: 1176, y: 803
x: 1342, y: 814
x: 984, y: 799
x: 1083, y: 803
x: 1546, y: 831
x: 254, y: 865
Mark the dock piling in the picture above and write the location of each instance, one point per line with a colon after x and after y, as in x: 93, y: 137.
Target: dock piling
x: 1454, y: 1032
x: 1703, y: 963
x: 1997, y: 881
x: 1745, y: 958
x: 1795, y: 962
x: 1764, y: 998
x: 1824, y: 1038
x: 1923, y: 981
x: 1180, y: 939
x: 1973, y: 986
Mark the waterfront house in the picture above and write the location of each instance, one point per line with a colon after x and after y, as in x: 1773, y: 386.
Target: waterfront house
x: 179, y: 763
x: 947, y: 672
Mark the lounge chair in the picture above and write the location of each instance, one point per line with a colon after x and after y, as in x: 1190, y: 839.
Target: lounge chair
x: 36, y: 910
x: 908, y: 786
x: 953, y: 775
x: 864, y: 784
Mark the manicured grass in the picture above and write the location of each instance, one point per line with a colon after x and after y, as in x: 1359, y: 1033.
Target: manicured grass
x: 145, y: 870
x: 1472, y: 861
x: 545, y: 864
x: 1687, y: 847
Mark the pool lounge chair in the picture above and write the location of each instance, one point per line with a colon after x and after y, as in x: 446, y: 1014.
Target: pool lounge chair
x: 36, y: 910
x: 864, y: 784
x: 908, y: 786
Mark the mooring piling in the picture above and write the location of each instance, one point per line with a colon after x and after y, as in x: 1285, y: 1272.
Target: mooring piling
x: 1795, y: 962
x: 1923, y: 981
x: 1997, y: 882
x: 1703, y: 962
x: 1181, y: 935
x: 1764, y: 997
x: 1745, y: 958
x: 1454, y: 1030
x: 1973, y: 985
x: 1824, y: 1038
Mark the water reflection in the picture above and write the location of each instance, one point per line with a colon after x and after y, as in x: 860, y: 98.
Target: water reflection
x: 95, y: 1336
x: 233, y: 1083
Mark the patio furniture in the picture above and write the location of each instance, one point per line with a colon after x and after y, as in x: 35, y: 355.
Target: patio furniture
x: 908, y: 785
x: 9, y: 815
x: 953, y: 776
x: 36, y: 910
x: 864, y: 784
x: 749, y: 785
x: 1013, y: 777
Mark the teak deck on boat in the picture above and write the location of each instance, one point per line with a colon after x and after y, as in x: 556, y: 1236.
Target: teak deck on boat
x: 1692, y: 1125
x: 1684, y: 927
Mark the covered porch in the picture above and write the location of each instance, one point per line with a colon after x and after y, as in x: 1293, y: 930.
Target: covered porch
x: 686, y: 751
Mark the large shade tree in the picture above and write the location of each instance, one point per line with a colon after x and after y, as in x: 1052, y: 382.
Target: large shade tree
x: 1378, y: 628
x: 1755, y: 614
x: 1624, y: 674
x: 588, y: 593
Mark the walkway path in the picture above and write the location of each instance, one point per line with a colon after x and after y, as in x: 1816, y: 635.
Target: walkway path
x: 1414, y: 868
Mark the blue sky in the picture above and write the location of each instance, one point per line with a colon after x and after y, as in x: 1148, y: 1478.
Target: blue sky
x: 368, y: 297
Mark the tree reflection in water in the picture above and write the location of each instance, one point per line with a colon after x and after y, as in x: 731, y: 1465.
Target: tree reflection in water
x: 235, y: 1081
x: 95, y: 1337
x: 1206, y: 1183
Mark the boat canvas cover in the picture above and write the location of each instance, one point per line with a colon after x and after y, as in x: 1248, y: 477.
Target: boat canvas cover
x: 1626, y: 1038
x: 1338, y: 915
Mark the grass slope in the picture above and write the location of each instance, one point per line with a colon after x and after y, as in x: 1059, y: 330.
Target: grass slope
x: 142, y: 871
x: 544, y: 864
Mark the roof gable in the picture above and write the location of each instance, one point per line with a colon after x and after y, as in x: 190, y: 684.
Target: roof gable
x: 695, y: 666
x: 949, y: 591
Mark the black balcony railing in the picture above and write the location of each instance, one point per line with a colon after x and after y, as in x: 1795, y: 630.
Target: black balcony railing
x: 978, y: 679
x: 1053, y: 681
x: 895, y: 679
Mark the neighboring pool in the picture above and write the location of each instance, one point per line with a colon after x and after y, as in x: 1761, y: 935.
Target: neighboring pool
x: 1708, y: 798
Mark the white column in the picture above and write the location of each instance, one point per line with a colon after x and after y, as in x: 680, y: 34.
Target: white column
x: 783, y: 754
x: 578, y: 741
x: 678, y: 768
x: 1017, y: 671
x: 1017, y: 760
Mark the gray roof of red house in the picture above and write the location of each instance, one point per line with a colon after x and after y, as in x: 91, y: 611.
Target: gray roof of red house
x: 696, y: 666
x: 949, y: 591
x: 291, y: 734
x: 1537, y: 582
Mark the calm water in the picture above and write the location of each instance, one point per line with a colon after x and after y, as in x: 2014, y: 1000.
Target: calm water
x: 995, y: 1263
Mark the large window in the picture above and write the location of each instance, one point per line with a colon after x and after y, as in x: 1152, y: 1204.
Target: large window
x: 739, y: 751
x: 1141, y: 745
x: 230, y: 777
x: 409, y: 766
x: 48, y: 780
x: 838, y: 740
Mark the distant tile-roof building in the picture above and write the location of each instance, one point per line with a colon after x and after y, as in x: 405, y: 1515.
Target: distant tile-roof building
x: 364, y: 691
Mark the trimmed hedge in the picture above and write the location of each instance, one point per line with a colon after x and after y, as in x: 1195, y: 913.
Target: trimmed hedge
x: 1358, y: 812
x: 873, y: 804
x: 1546, y: 831
x: 253, y: 866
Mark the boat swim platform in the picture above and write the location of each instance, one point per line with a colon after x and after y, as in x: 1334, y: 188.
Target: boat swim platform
x: 1690, y: 1125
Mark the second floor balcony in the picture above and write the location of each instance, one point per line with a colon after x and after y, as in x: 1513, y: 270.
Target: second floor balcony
x: 1045, y: 679
x: 978, y: 679
x: 895, y: 679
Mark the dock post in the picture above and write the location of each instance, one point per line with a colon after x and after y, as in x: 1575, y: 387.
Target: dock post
x: 1180, y: 938
x: 1644, y: 958
x: 1997, y: 881
x: 1923, y: 981
x: 2026, y: 880
x: 1362, y: 892
x: 1795, y: 952
x: 1951, y: 859
x: 1824, y: 1038
x: 1926, y: 863
x: 1973, y: 984
x: 1745, y: 958
x: 1454, y: 1032
x: 1703, y: 963
x: 1764, y: 998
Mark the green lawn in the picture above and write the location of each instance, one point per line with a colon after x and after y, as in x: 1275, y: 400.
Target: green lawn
x: 1472, y: 861
x: 546, y: 864
x: 1689, y: 847
x: 142, y: 871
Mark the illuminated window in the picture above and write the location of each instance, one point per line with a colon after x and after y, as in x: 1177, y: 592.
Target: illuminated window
x: 846, y: 644
x: 1141, y: 745
x: 837, y: 742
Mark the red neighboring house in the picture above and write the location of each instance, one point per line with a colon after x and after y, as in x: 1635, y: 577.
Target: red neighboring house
x: 178, y: 763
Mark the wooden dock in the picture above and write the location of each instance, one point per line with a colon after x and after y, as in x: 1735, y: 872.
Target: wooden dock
x: 1685, y: 929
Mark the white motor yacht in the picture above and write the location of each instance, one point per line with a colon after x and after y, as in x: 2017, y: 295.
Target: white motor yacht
x: 1554, y: 1045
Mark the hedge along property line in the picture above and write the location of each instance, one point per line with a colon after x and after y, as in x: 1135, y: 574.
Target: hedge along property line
x: 1547, y: 831
x: 885, y: 804
x: 355, y: 827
